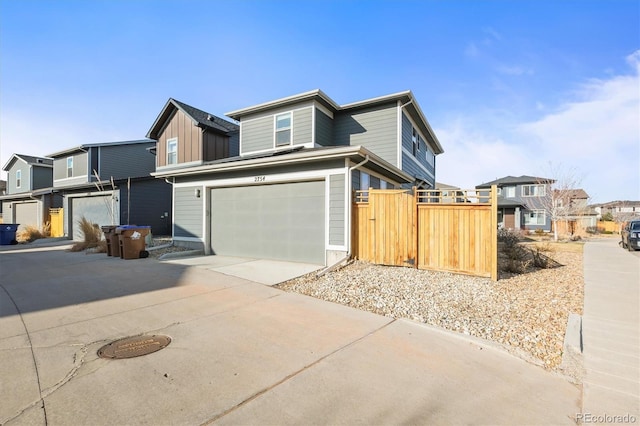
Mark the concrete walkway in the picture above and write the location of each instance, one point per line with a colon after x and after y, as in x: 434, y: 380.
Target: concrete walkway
x: 611, y: 333
x: 241, y: 353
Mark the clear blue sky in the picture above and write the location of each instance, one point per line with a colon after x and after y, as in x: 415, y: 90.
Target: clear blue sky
x: 508, y: 86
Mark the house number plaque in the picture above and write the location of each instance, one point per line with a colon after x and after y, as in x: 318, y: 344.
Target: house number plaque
x: 259, y: 178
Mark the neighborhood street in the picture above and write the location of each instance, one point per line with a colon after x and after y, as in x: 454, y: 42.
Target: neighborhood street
x: 242, y: 352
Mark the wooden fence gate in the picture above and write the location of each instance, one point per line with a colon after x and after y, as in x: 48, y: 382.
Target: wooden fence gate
x: 427, y: 229
x: 56, y: 219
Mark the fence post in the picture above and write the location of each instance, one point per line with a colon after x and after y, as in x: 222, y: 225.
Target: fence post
x: 414, y: 226
x: 494, y: 233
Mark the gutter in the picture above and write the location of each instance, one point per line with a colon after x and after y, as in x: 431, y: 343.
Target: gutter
x: 349, y: 207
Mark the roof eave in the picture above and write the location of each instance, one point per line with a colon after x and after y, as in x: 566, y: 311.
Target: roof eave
x: 301, y: 156
x: 312, y: 94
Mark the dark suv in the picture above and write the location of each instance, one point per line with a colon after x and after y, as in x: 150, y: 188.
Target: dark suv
x: 631, y: 235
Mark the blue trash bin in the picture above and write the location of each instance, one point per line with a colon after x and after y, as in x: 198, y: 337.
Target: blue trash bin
x: 8, y: 233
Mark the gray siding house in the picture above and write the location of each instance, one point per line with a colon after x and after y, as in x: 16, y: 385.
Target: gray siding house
x: 111, y: 184
x: 28, y: 194
x: 522, y: 201
x: 288, y: 192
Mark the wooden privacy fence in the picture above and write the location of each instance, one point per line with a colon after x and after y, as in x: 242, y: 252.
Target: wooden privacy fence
x: 428, y: 230
x: 56, y: 219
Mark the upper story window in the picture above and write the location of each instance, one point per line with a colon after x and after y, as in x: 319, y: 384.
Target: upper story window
x: 431, y: 157
x: 172, y: 151
x: 69, y: 167
x: 18, y: 178
x: 508, y: 192
x: 283, y: 129
x: 533, y: 190
x: 415, y: 140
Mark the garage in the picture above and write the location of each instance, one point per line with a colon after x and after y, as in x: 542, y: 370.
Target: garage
x: 280, y: 221
x: 96, y: 209
x: 26, y: 214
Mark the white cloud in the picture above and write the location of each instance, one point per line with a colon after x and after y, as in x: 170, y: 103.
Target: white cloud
x: 596, y: 132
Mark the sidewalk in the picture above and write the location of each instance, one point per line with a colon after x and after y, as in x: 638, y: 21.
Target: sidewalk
x: 610, y: 333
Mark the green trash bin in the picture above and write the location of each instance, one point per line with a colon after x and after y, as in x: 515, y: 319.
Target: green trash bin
x: 132, y: 241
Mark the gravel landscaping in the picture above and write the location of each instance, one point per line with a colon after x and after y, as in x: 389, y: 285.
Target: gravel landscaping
x: 527, y: 313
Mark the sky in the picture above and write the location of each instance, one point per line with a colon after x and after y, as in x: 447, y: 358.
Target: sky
x: 539, y: 88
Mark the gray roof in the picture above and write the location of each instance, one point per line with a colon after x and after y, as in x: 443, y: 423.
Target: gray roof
x: 30, y: 160
x: 515, y: 180
x: 97, y: 144
x: 201, y: 119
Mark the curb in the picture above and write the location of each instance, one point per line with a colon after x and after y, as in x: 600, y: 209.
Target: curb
x: 186, y: 253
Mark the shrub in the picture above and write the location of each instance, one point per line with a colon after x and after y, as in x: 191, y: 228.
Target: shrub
x: 92, y: 237
x: 539, y: 231
x: 31, y: 233
x: 508, y: 237
x: 607, y: 217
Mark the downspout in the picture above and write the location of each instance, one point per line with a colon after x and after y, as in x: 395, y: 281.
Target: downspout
x: 172, y: 201
x: 348, y: 255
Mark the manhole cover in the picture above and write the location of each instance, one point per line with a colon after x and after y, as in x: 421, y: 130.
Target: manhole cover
x: 131, y: 347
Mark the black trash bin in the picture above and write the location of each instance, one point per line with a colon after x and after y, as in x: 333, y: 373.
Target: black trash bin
x: 8, y: 233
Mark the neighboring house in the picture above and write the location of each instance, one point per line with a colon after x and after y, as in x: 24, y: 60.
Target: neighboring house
x: 28, y: 191
x: 3, y: 191
x: 522, y: 202
x: 287, y: 194
x: 449, y: 193
x: 620, y: 210
x: 110, y: 184
x: 577, y: 214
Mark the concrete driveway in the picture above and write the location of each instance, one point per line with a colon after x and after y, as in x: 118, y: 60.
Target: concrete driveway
x: 241, y: 353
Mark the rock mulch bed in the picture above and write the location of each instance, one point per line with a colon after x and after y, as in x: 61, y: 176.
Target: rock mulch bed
x: 527, y: 313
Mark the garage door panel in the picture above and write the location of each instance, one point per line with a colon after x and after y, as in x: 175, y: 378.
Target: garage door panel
x: 26, y: 214
x: 95, y: 209
x: 283, y: 221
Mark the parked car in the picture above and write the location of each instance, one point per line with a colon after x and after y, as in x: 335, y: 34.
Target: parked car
x: 631, y: 235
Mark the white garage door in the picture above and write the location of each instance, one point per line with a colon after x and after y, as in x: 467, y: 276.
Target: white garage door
x: 283, y: 221
x: 95, y: 209
x: 26, y: 214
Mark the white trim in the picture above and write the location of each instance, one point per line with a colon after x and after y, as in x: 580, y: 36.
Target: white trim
x: 327, y: 196
x: 372, y: 173
x: 178, y: 166
x: 166, y: 160
x: 173, y: 208
x: 416, y: 162
x: 67, y: 167
x: 322, y: 108
x: 206, y: 215
x: 240, y: 139
x: 399, y: 139
x: 275, y: 129
x: 19, y: 180
x: 269, y: 179
x: 270, y: 113
x: 313, y: 126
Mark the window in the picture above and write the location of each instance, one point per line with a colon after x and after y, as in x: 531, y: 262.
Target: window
x: 283, y: 129
x: 172, y: 151
x: 69, y: 167
x: 535, y: 217
x: 415, y: 139
x: 510, y: 192
x: 383, y: 184
x: 364, y: 180
x: 533, y: 190
x: 431, y: 158
x: 18, y: 178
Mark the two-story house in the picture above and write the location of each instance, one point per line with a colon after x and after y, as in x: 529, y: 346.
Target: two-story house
x: 287, y: 194
x: 28, y: 191
x: 111, y: 184
x: 523, y: 202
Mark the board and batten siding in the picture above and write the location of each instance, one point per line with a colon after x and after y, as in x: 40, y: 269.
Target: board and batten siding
x: 374, y: 128
x: 324, y: 129
x: 336, y: 209
x: 187, y: 214
x: 189, y: 139
x: 124, y: 161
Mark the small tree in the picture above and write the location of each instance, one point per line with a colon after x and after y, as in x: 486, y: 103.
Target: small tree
x: 607, y: 217
x: 559, y: 197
